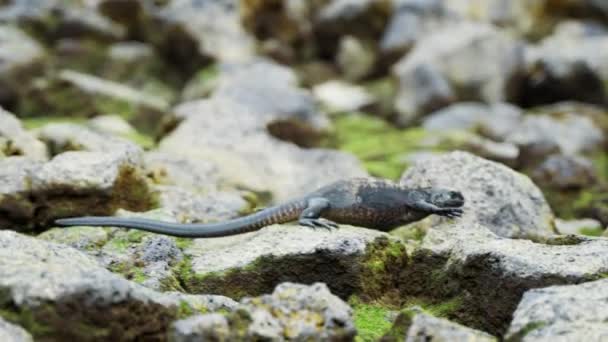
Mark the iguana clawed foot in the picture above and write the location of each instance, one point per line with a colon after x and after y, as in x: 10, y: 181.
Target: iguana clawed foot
x: 450, y: 212
x: 318, y: 223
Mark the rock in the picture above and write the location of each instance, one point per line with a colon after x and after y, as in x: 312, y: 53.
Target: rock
x: 412, y: 20
x: 271, y: 93
x: 577, y: 226
x: 562, y: 313
x: 189, y: 206
x: 76, y: 94
x: 416, y: 325
x: 192, y: 29
x: 355, y: 58
x: 63, y: 137
x: 567, y: 66
x: 53, y: 290
x: 55, y: 19
x: 568, y: 133
x: 16, y: 141
x: 465, y: 61
x: 212, y: 327
x: 254, y: 263
x: 496, y: 197
x: 198, y: 175
x: 566, y: 172
x: 88, y: 183
x: 236, y: 139
x: 111, y: 125
x: 495, y: 121
x: 16, y: 205
x: 365, y: 19
x: 487, y: 275
x: 13, y: 333
x: 21, y: 58
x: 292, y: 312
x: 338, y: 96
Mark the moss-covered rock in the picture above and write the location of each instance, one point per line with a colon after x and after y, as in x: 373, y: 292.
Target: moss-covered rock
x: 56, y: 292
x: 350, y: 260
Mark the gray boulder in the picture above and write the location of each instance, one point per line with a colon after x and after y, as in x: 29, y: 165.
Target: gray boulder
x: 411, y: 20
x: 20, y: 59
x: 292, y: 312
x: 495, y: 121
x: 568, y: 133
x: 562, y: 313
x: 54, y: 290
x: 209, y: 29
x: 272, y: 94
x: 568, y: 65
x: 469, y: 61
x: 76, y: 94
x: 13, y: 333
x: 16, y: 141
x: 16, y: 204
x: 496, y: 197
x: 487, y: 274
x: 56, y: 19
x: 565, y: 172
x: 254, y: 263
x: 413, y: 325
x: 236, y: 139
x: 88, y: 183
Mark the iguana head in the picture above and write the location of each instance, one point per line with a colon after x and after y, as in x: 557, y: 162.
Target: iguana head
x: 446, y: 198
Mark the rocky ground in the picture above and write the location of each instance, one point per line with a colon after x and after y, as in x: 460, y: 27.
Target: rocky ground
x: 202, y: 111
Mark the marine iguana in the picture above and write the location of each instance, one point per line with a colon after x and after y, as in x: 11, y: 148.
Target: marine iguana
x: 365, y: 202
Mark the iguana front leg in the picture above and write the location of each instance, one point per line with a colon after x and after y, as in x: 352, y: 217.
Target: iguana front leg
x: 433, y: 209
x: 311, y: 216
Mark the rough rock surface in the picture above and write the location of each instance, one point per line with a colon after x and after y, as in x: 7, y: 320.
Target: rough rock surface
x: 338, y: 96
x: 254, y: 263
x: 101, y: 176
x: 86, y: 95
x: 16, y: 205
x: 506, y: 202
x: 16, y: 141
x: 469, y: 61
x: 236, y: 139
x: 62, y: 137
x: 20, y: 57
x: 570, y: 64
x: 13, y: 333
x: 60, y: 289
x: 213, y: 28
x: 562, y: 313
x: 415, y: 325
x: 495, y: 121
x: 82, y: 182
x: 489, y: 274
x: 568, y: 133
x: 291, y: 312
x: 271, y: 93
x: 566, y: 172
x: 56, y: 19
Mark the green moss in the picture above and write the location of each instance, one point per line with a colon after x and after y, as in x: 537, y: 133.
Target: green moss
x: 528, y: 328
x: 440, y: 309
x: 143, y: 140
x: 381, y: 147
x: 381, y: 266
x: 594, y: 231
x: 37, y: 122
x: 25, y: 318
x: 372, y: 321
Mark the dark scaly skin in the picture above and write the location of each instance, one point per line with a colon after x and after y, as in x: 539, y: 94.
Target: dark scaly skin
x: 364, y: 202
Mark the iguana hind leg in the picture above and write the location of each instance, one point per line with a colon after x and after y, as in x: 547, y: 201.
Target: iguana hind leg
x: 311, y: 216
